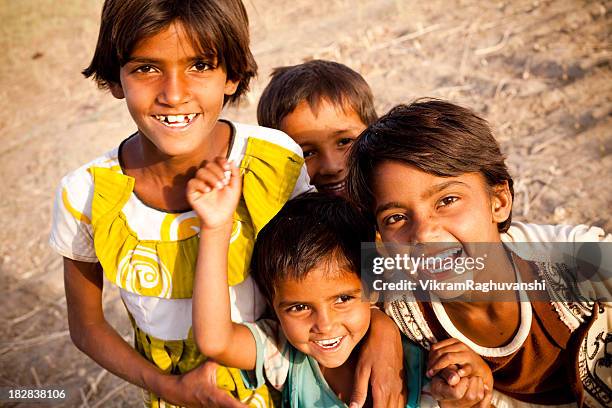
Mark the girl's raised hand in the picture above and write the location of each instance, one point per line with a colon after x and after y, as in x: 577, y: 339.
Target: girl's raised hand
x: 214, y: 192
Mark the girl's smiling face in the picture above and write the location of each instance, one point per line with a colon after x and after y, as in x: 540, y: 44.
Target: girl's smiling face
x: 323, y: 315
x: 412, y: 206
x: 173, y: 92
x: 445, y: 217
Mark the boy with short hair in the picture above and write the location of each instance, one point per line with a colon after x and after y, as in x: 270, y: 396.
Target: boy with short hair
x: 306, y: 262
x: 323, y: 106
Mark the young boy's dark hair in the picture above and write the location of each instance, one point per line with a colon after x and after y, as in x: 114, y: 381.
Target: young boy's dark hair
x: 312, y: 82
x: 434, y: 136
x: 310, y: 230
x: 217, y: 28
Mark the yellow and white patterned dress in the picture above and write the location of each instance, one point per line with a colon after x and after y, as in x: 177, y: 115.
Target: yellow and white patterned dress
x: 150, y: 254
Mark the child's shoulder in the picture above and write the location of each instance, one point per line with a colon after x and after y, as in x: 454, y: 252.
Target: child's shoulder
x: 82, y: 175
x: 527, y: 232
x: 79, y: 182
x: 275, y: 136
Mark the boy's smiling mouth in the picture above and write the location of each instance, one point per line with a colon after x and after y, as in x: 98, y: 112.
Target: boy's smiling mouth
x: 175, y: 121
x: 329, y: 344
x: 334, y: 188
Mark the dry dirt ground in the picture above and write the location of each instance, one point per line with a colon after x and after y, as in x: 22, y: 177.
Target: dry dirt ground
x: 539, y: 71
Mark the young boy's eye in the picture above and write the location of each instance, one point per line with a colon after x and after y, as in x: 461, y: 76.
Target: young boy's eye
x: 394, y: 218
x: 308, y: 153
x: 297, y: 308
x: 345, y: 141
x: 446, y: 201
x: 344, y: 298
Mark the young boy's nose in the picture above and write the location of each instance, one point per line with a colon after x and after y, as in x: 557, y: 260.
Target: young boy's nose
x: 175, y: 90
x: 331, y: 163
x: 323, y: 322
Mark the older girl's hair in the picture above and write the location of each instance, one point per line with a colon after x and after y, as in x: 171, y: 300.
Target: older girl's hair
x: 217, y: 28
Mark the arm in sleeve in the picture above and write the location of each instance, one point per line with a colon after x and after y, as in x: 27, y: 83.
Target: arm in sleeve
x: 272, y: 355
x: 71, y: 231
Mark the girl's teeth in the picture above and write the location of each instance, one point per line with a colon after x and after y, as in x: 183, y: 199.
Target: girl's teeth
x: 175, y: 120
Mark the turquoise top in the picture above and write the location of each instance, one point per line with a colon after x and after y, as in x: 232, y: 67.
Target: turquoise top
x: 299, y: 375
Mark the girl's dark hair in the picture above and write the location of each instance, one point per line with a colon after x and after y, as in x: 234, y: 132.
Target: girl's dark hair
x: 217, y: 28
x: 310, y: 230
x: 434, y: 136
x: 312, y: 82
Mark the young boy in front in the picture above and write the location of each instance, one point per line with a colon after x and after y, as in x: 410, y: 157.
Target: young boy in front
x: 431, y: 172
x: 306, y: 263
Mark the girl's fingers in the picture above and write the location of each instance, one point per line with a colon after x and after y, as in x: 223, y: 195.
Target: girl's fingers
x: 217, y: 167
x: 225, y: 166
x: 197, y: 187
x: 441, y: 391
x: 475, y: 390
x: 450, y: 375
x: 435, y: 354
x: 465, y: 370
x: 444, y: 343
x: 486, y: 401
x: 234, y: 174
x: 458, y: 358
x: 212, y: 175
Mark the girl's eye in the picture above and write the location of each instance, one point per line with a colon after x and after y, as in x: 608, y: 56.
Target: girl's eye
x: 446, y: 201
x: 144, y: 69
x: 297, y: 308
x: 393, y: 219
x: 345, y: 141
x: 202, y: 66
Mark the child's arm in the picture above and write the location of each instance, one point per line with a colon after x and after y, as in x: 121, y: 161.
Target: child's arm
x: 92, y: 334
x: 460, y: 377
x: 382, y: 367
x: 214, y: 194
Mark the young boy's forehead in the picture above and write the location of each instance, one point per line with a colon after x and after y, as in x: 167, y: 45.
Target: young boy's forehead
x: 322, y: 283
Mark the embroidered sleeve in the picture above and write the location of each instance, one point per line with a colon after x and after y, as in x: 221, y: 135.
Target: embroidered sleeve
x: 523, y: 232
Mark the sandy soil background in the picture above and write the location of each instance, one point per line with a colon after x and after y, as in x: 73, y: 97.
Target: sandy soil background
x: 539, y: 71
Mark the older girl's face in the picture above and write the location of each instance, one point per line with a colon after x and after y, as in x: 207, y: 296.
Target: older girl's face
x: 447, y: 217
x: 173, y: 93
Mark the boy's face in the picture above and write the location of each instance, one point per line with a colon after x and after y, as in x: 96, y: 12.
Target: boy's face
x: 174, y: 93
x: 412, y: 206
x: 325, y: 138
x: 323, y: 315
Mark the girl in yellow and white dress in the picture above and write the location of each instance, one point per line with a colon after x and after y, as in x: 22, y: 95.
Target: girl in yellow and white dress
x: 125, y: 215
x: 150, y: 253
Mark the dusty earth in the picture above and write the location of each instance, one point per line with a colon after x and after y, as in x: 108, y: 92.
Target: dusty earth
x: 538, y: 70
